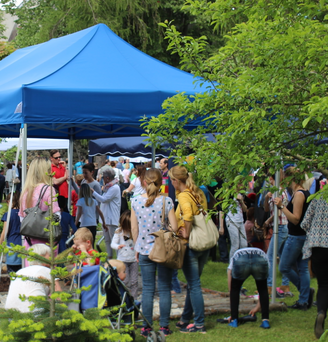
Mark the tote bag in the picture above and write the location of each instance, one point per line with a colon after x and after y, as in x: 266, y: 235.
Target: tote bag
x: 204, y: 233
x: 168, y: 249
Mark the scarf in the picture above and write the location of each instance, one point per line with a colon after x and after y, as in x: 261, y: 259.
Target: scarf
x: 110, y: 184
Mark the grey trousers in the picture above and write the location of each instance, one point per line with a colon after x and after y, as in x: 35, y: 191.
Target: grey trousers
x: 108, y: 235
x: 131, y: 280
x: 237, y: 235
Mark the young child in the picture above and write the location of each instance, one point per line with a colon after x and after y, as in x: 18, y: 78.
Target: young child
x: 123, y: 243
x: 13, y: 262
x: 75, y: 194
x: 120, y: 268
x: 83, y: 241
x: 87, y: 207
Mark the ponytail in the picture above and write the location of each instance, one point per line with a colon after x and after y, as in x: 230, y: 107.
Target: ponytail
x: 181, y: 173
x: 153, y: 178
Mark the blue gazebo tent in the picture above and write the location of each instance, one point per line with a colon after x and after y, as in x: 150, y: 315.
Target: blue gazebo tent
x: 90, y: 84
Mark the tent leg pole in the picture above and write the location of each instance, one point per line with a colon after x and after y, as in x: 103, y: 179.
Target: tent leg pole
x: 70, y: 163
x: 24, y: 154
x: 275, y: 241
x: 153, y: 152
x: 24, y: 169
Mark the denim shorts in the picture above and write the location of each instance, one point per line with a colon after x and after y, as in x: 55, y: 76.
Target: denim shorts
x: 250, y: 264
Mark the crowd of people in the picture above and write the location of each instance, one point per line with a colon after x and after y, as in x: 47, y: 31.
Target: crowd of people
x: 100, y: 197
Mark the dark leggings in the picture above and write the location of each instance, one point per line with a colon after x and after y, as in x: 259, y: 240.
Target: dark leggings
x: 13, y: 268
x: 235, y: 295
x: 319, y: 268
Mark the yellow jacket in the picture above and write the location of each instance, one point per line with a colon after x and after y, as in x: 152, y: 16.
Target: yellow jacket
x: 188, y: 206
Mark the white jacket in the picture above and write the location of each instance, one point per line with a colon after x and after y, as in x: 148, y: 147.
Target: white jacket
x: 127, y: 253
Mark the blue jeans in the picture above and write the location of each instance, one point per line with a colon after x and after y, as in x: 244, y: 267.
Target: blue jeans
x: 291, y: 255
x: 148, y: 274
x: 282, y: 237
x: 175, y: 284
x: 193, y: 265
x: 250, y: 264
x: 244, y: 266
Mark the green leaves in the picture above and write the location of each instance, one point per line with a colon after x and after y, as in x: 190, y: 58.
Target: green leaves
x: 269, y: 101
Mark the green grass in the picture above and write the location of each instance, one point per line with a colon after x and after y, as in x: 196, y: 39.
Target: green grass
x: 291, y: 326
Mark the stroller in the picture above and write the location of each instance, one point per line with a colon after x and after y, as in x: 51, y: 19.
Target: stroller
x: 109, y: 291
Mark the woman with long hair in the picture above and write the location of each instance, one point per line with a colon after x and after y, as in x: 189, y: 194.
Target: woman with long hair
x: 137, y: 185
x: 36, y: 178
x: 292, y: 252
x: 146, y: 217
x: 189, y: 197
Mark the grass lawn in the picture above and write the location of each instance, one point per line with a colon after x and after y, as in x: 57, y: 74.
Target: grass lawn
x: 288, y: 326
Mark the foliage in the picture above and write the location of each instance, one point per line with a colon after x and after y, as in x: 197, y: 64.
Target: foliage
x: 266, y: 90
x: 134, y: 21
x: 50, y: 318
x: 3, y: 210
x: 6, y: 49
x: 9, y: 156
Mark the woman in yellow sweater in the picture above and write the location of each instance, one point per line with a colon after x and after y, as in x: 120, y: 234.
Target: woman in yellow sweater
x: 189, y: 195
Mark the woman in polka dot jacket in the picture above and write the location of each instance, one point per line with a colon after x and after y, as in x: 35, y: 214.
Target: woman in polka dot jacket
x: 146, y: 217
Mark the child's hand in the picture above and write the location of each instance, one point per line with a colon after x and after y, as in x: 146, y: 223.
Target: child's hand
x: 137, y: 256
x: 120, y: 246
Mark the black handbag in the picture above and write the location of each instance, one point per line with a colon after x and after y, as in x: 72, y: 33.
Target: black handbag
x: 34, y: 223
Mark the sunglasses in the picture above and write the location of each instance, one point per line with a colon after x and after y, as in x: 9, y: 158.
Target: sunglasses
x: 57, y: 157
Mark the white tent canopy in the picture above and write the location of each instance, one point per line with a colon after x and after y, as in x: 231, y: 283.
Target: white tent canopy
x: 36, y: 144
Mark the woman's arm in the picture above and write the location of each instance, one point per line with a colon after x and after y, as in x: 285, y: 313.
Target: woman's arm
x: 173, y: 220
x: 79, y: 212
x: 106, y: 197
x: 134, y: 226
x: 298, y: 203
x: 129, y: 189
x: 74, y: 185
x: 240, y: 198
x: 185, y: 232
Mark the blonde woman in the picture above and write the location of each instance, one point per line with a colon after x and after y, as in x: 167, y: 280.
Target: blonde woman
x: 36, y: 178
x: 189, y: 195
x: 146, y: 217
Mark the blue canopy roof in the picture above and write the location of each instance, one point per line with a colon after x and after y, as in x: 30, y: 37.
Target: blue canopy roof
x: 89, y: 84
x: 132, y: 147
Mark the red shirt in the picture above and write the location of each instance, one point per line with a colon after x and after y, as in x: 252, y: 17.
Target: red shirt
x: 90, y: 252
x: 60, y: 171
x: 74, y: 199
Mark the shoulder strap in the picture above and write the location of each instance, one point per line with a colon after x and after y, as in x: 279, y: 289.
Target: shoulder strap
x: 194, y: 199
x: 42, y: 192
x: 163, y: 211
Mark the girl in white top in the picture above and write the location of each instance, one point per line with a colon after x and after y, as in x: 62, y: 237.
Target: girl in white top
x: 137, y: 184
x: 123, y: 243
